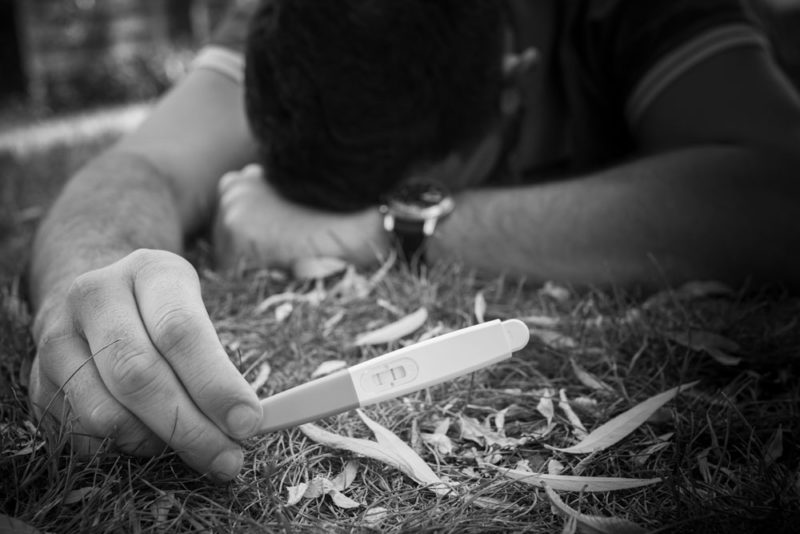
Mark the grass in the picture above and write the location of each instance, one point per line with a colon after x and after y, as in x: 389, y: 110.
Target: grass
x: 730, y: 463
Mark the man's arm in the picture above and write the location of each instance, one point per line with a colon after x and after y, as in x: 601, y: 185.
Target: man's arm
x: 713, y: 194
x: 106, y: 281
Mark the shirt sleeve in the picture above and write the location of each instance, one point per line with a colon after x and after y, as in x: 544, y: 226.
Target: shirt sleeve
x: 225, y: 52
x: 640, y: 47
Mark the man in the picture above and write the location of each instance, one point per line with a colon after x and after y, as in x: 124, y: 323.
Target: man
x: 630, y: 143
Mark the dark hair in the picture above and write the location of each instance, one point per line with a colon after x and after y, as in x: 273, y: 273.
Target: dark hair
x: 347, y: 97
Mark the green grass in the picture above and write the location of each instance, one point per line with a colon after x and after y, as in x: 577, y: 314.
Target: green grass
x: 722, y: 468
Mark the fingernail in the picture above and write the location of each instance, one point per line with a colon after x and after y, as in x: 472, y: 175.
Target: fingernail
x: 242, y: 420
x: 226, y: 465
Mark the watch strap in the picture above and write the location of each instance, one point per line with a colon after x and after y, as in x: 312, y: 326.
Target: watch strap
x: 411, y: 240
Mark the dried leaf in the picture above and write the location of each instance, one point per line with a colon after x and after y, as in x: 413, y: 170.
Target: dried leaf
x: 409, y: 461
x: 588, y: 379
x: 321, y: 486
x: 352, y: 286
x: 480, y: 307
x: 620, y: 426
x: 554, y: 340
x: 482, y: 434
x: 331, y: 323
x: 328, y: 367
x: 774, y: 448
x: 439, y: 440
x: 394, y: 331
x: 578, y: 430
x: 592, y: 523
x: 296, y: 493
x: 574, y: 483
x: 80, y: 494
x: 375, y: 516
x: 317, y: 268
x: 262, y: 376
x: 343, y: 480
x: 554, y: 291
x: 389, y: 449
x: 715, y: 345
x: 282, y: 311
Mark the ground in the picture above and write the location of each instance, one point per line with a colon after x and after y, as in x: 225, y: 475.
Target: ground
x: 726, y: 449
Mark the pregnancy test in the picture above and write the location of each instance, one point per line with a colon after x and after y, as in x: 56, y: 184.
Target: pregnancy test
x: 396, y: 373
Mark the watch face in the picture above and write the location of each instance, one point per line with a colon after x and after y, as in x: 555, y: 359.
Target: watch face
x: 420, y: 201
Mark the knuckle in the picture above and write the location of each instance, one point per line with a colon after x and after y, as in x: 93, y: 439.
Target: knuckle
x: 173, y: 329
x: 105, y: 420
x: 86, y: 288
x: 134, y: 371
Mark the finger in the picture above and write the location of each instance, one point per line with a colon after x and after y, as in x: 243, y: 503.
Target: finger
x: 141, y: 379
x: 73, y: 392
x: 169, y: 299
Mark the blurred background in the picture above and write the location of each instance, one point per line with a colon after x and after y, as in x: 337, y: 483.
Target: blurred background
x: 60, y: 56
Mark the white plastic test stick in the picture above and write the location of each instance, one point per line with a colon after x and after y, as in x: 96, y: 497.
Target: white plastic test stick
x: 396, y: 373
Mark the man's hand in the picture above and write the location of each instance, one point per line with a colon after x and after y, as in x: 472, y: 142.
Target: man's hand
x: 131, y: 355
x: 254, y: 222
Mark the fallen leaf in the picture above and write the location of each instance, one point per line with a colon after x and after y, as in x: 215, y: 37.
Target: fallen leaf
x: 482, y: 434
x: 480, y: 307
x: 262, y: 376
x: 343, y: 480
x: 328, y: 367
x: 554, y: 340
x: 317, y: 268
x: 578, y: 430
x: 575, y: 483
x: 715, y: 345
x: 554, y: 291
x: 588, y: 379
x: 80, y: 494
x: 438, y: 439
x: 375, y: 516
x: 282, y: 311
x: 594, y: 524
x: 352, y: 286
x: 688, y: 291
x: 389, y: 449
x: 394, y: 331
x: 620, y: 426
x: 541, y: 321
x: 296, y: 493
x: 320, y: 486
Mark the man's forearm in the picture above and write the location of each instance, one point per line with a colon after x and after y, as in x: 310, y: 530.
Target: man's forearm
x: 113, y: 206
x: 718, y: 212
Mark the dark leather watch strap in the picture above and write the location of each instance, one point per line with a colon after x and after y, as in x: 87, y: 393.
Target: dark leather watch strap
x: 411, y: 240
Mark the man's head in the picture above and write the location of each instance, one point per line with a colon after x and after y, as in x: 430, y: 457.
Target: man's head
x: 348, y: 98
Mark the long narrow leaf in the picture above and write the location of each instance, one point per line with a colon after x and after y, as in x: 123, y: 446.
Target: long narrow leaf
x: 620, y: 426
x: 574, y: 483
x: 594, y: 524
x: 394, y: 331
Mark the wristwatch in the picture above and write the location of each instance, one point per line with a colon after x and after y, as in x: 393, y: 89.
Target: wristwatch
x: 411, y: 213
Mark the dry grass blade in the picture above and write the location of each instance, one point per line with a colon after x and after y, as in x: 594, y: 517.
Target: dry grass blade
x: 594, y: 524
x: 575, y: 483
x: 620, y: 426
x: 394, y: 331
